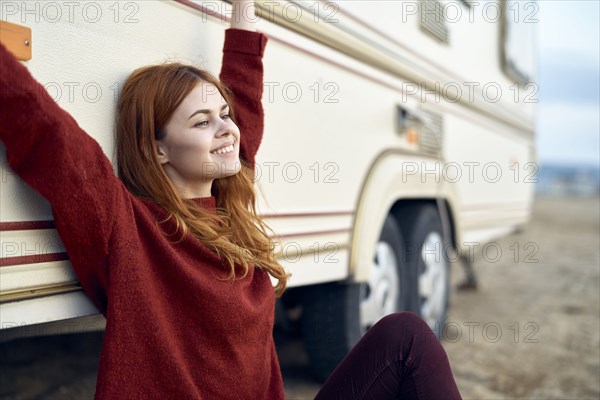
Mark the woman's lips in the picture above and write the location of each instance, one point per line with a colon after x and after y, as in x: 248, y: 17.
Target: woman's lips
x: 229, y: 153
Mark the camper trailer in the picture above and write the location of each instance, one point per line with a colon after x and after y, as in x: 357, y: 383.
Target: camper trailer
x: 399, y: 140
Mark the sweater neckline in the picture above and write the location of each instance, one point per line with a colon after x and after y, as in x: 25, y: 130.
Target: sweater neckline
x: 206, y: 202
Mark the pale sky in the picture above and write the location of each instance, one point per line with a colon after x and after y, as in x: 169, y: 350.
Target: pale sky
x: 568, y: 116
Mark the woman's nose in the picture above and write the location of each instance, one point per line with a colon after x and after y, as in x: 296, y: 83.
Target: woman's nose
x: 224, y: 129
x: 225, y: 133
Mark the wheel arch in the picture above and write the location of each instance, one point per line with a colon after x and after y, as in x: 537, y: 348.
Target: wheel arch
x: 444, y: 209
x: 387, y: 189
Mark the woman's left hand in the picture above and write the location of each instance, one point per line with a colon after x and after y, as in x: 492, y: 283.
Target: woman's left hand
x: 243, y: 16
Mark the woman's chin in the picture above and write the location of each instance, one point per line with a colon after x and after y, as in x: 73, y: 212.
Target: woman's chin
x: 231, y: 167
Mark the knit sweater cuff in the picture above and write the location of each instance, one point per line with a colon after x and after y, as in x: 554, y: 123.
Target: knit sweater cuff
x: 243, y: 41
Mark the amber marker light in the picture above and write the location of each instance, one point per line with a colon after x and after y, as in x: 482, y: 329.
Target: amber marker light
x: 412, y: 136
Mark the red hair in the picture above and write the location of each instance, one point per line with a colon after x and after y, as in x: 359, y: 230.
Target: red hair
x: 148, y: 100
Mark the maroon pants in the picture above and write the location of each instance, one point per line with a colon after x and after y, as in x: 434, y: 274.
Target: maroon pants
x: 398, y: 358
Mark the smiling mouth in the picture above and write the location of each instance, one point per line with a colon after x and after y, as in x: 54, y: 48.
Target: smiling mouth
x: 224, y: 150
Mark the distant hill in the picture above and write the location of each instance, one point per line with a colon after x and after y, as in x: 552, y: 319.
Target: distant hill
x: 578, y: 180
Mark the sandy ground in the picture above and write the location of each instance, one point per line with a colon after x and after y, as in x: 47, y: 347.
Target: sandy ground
x: 558, y: 355
x: 531, y: 330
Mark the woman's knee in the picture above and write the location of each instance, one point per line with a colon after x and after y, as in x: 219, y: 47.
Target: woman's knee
x: 405, y: 323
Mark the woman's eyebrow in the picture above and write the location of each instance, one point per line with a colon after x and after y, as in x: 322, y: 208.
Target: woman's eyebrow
x: 207, y: 111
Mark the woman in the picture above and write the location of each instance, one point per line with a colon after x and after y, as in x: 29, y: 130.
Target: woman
x: 173, y: 253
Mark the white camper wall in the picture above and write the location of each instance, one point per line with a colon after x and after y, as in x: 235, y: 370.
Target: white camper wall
x: 473, y: 51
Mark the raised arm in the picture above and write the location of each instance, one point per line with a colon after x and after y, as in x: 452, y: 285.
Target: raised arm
x: 53, y: 155
x: 242, y: 72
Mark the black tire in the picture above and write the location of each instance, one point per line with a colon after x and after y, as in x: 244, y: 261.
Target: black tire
x: 331, y: 316
x: 418, y: 222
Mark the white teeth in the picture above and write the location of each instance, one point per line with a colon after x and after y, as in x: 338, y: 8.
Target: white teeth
x: 223, y: 150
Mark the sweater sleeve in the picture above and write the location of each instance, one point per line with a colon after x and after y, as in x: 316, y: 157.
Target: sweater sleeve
x: 242, y: 72
x: 47, y: 149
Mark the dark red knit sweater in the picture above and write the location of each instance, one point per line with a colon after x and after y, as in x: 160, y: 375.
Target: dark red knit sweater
x: 173, y: 329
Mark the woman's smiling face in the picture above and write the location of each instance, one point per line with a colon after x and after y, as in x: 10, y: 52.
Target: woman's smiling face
x: 199, y: 126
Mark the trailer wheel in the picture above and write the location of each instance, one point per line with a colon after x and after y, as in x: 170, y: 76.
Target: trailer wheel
x: 426, y: 259
x: 336, y: 315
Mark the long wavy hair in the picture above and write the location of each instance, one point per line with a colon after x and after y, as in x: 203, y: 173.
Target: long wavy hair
x: 149, y: 98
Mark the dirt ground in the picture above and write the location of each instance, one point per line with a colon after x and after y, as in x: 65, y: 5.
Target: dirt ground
x: 558, y: 355
x: 530, y: 331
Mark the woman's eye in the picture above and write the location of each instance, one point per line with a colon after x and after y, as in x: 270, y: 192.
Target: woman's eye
x: 201, y: 123
x: 226, y: 116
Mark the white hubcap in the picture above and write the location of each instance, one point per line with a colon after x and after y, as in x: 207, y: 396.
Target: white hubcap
x: 432, y: 280
x: 379, y: 296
